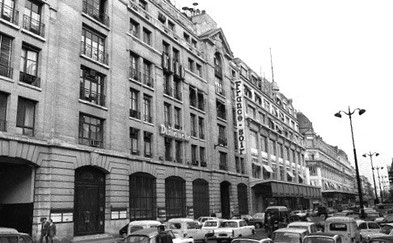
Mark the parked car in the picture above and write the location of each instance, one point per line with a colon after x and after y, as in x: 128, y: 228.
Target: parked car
x: 371, y: 216
x: 344, y: 226
x: 233, y: 228
x: 252, y: 239
x: 289, y: 235
x: 186, y: 227
x: 279, y: 215
x: 137, y: 225
x: 150, y: 236
x: 311, y: 227
x: 258, y: 220
x: 367, y: 228
x: 386, y: 228
x: 13, y: 235
x: 202, y: 219
x: 209, y: 226
x: 322, y: 237
x: 380, y: 239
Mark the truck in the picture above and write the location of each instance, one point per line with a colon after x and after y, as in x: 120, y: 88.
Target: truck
x: 231, y: 229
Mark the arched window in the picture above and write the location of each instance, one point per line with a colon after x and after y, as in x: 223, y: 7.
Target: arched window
x: 200, y: 193
x: 143, y: 199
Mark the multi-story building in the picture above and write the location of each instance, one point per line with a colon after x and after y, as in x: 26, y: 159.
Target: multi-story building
x: 328, y: 166
x: 270, y: 142
x: 112, y: 111
x: 367, y: 191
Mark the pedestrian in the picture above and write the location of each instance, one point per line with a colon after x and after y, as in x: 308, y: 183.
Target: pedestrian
x: 268, y: 223
x: 163, y: 236
x: 44, y: 229
x: 51, y: 231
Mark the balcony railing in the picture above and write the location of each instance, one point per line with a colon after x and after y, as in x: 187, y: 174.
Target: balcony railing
x: 100, y: 56
x: 148, y: 80
x: 134, y: 151
x: 9, y: 13
x: 95, y: 13
x: 166, y: 63
x: 30, y: 79
x: 134, y: 74
x: 3, y: 125
x: 220, y: 90
x: 218, y: 71
x: 221, y: 114
x: 6, y: 71
x: 135, y: 114
x: 203, y: 163
x: 88, y: 95
x: 33, y: 25
x: 222, y: 141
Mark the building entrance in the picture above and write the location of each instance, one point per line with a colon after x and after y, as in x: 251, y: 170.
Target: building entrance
x: 89, y: 201
x: 225, y: 199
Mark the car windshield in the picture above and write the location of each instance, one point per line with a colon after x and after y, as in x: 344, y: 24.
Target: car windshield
x: 318, y: 240
x: 286, y: 237
x: 137, y: 239
x: 229, y: 224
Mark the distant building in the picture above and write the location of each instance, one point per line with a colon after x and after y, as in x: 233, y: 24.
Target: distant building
x: 367, y: 190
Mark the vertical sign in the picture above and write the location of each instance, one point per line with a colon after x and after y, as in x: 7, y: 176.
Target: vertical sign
x: 239, y: 104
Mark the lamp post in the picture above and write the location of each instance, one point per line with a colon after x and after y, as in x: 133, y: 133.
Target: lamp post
x: 376, y: 201
x: 349, y: 114
x: 379, y: 179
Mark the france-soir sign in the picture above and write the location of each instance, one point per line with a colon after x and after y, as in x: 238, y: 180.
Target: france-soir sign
x: 240, y: 116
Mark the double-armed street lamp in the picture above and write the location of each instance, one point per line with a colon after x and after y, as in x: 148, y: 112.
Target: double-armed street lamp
x: 376, y: 201
x: 349, y: 113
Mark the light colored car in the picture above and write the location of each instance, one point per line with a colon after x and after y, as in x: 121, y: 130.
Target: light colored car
x: 202, y: 219
x: 289, y: 235
x: 233, y: 228
x: 138, y: 225
x: 344, y: 226
x: 186, y: 227
x: 322, y: 238
x: 150, y: 236
x: 368, y: 228
x: 12, y: 235
x: 311, y: 227
x: 256, y: 239
x: 209, y: 226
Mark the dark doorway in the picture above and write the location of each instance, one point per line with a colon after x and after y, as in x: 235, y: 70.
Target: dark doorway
x: 143, y: 200
x: 225, y: 204
x: 16, y: 195
x: 200, y: 193
x: 175, y: 197
x: 89, y: 201
x: 242, y: 198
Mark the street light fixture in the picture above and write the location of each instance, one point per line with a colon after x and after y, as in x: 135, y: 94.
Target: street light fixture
x: 376, y: 201
x: 349, y: 114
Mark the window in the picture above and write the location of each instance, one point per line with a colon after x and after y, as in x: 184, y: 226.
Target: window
x: 237, y: 164
x: 93, y: 45
x: 95, y: 9
x: 171, y: 25
x: 178, y: 118
x: 186, y: 37
x: 254, y: 142
x: 147, y: 114
x: 264, y: 144
x: 177, y: 89
x: 199, y: 70
x: 91, y: 131
x: 201, y: 100
x: 251, y: 112
x: 92, y: 86
x: 5, y: 56
x: 219, y: 87
x: 134, y: 104
x: 256, y: 171
x: 168, y: 149
x: 221, y: 111
x: 32, y: 18
x: 193, y: 125
x: 194, y: 155
x: 167, y: 115
x: 217, y: 66
x: 134, y: 28
x: 193, y: 97
x: 175, y: 197
x: 201, y: 123
x: 167, y: 85
x: 147, y: 139
x: 179, y: 151
x: 134, y: 138
x: 147, y: 36
x: 143, y: 196
x: 26, y: 116
x: 134, y: 68
x: 29, y: 66
x: 191, y: 65
x: 8, y: 12
x: 272, y: 149
x: 3, y: 111
x: 202, y: 155
x: 194, y: 43
x: 223, y: 161
x: 222, y: 135
x: 142, y: 4
x: 147, y: 74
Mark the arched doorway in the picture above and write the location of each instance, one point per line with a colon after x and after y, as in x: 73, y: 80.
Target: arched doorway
x: 16, y: 194
x: 89, y: 201
x: 143, y: 199
x: 225, y: 197
x: 200, y: 193
x: 242, y: 198
x: 175, y: 197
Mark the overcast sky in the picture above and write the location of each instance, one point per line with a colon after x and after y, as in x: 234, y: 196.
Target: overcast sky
x: 327, y: 55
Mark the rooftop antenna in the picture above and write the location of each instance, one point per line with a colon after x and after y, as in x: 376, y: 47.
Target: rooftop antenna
x: 271, y: 64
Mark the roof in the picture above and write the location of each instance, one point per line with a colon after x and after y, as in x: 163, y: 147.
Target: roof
x: 218, y: 31
x: 280, y: 208
x: 300, y: 223
x: 339, y: 219
x: 8, y: 231
x: 291, y: 230
x: 150, y: 232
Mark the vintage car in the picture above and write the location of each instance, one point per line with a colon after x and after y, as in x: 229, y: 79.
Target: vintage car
x: 380, y: 239
x: 209, y: 226
x: 311, y: 227
x: 344, y: 226
x: 367, y: 227
x: 137, y: 225
x: 321, y: 237
x: 289, y: 235
x: 12, y: 235
x: 186, y: 227
x: 233, y: 228
x: 149, y: 235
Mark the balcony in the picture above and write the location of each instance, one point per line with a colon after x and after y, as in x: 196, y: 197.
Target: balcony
x: 166, y: 63
x: 6, y: 71
x: 178, y: 95
x: 9, y: 13
x: 222, y: 141
x: 195, y: 162
x: 134, y: 74
x: 148, y: 80
x: 97, y: 55
x: 3, y: 125
x: 29, y: 79
x: 218, y: 71
x: 33, y: 25
x: 220, y: 90
x: 135, y: 114
x: 95, y: 13
x: 134, y: 151
x: 93, y: 97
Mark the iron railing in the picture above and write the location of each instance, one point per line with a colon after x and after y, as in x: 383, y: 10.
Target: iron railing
x: 30, y: 79
x: 94, y: 97
x: 6, y: 71
x: 95, y: 13
x: 33, y: 25
x: 148, y: 80
x: 100, y: 56
x: 135, y: 114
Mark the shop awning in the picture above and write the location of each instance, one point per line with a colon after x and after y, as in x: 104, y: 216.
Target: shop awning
x: 268, y: 168
x: 290, y: 174
x: 285, y: 189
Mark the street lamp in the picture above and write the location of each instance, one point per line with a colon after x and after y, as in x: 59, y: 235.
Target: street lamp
x: 372, y: 167
x: 349, y: 114
x: 379, y: 179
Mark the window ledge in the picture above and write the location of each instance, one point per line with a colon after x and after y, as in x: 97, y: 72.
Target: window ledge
x: 9, y: 24
x: 149, y: 124
x: 196, y: 76
x: 196, y: 109
x: 6, y: 79
x: 33, y: 35
x: 221, y: 120
x: 92, y: 104
x: 96, y: 62
x: 30, y: 86
x: 96, y: 21
x: 144, y: 44
x: 134, y: 119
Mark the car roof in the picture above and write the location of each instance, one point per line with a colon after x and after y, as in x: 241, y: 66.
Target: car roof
x: 145, y: 222
x: 150, y: 232
x: 322, y: 234
x: 340, y: 219
x: 8, y: 231
x: 291, y: 230
x: 181, y: 220
x: 300, y: 223
x: 280, y: 208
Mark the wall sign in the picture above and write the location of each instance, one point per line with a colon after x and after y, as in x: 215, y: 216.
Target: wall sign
x: 173, y: 133
x: 240, y: 116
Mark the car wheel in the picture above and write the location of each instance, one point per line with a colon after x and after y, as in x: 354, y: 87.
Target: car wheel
x: 258, y: 226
